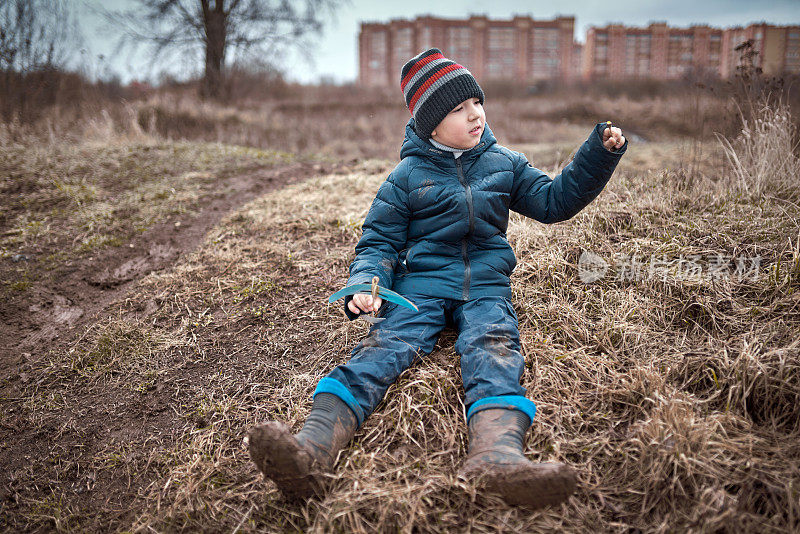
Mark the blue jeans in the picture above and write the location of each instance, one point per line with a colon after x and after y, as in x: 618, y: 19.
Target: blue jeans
x: 488, y: 343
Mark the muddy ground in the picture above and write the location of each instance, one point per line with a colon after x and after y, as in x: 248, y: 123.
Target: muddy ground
x: 53, y: 315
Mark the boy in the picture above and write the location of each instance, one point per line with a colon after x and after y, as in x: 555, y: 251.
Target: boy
x: 436, y: 234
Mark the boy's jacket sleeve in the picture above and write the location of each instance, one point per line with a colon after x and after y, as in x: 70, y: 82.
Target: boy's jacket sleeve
x: 547, y: 200
x: 383, y: 237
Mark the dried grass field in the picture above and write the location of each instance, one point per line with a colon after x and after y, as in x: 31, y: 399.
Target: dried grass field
x: 162, y: 292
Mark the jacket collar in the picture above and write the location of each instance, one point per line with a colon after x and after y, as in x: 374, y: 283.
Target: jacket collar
x: 413, y: 145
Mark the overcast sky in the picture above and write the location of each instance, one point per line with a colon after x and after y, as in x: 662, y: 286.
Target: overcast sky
x: 335, y: 52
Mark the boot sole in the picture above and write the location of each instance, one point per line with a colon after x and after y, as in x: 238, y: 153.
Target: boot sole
x: 283, y: 460
x: 531, y: 486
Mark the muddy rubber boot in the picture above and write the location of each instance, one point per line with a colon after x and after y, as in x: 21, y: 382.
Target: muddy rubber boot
x: 298, y: 463
x: 495, y: 461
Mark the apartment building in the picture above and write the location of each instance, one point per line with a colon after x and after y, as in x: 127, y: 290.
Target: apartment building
x: 778, y: 48
x: 527, y: 50
x: 661, y: 52
x: 519, y: 49
x: 657, y: 51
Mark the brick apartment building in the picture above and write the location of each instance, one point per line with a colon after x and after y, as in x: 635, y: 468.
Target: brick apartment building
x: 518, y: 49
x: 658, y: 51
x: 778, y: 48
x: 524, y: 49
x: 661, y: 52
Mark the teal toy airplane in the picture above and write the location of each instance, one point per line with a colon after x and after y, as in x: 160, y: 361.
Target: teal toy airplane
x: 376, y: 291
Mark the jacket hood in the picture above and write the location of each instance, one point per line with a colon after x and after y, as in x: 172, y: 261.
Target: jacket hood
x: 414, y: 145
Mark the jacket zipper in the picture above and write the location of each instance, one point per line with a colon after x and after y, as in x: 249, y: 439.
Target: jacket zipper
x: 467, y: 273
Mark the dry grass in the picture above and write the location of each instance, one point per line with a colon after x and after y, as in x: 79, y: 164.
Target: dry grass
x: 63, y: 201
x: 351, y: 122
x: 676, y: 397
x: 370, y: 124
x: 763, y: 156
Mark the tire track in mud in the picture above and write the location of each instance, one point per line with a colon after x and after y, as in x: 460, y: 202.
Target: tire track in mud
x: 55, y: 308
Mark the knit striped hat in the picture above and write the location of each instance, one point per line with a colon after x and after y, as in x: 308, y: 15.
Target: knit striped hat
x: 433, y: 85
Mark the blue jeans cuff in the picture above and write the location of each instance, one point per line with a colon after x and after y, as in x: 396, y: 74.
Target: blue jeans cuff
x: 509, y: 402
x: 333, y: 386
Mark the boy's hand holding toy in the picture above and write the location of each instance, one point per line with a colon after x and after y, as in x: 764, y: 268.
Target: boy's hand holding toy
x: 612, y: 137
x: 365, y: 303
x: 370, y: 302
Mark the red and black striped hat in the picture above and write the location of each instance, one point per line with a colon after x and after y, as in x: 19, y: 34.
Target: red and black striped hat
x: 433, y: 85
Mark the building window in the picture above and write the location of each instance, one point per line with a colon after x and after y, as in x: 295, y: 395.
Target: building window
x: 792, y: 54
x: 501, y: 38
x: 425, y: 39
x: 679, y: 55
x: 377, y: 58
x: 402, y: 47
x: 637, y: 54
x: 545, y: 38
x: 459, y: 44
x: 545, y: 60
x: 501, y: 58
x: 792, y: 57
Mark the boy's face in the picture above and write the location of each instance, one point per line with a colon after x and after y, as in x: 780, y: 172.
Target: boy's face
x: 463, y: 126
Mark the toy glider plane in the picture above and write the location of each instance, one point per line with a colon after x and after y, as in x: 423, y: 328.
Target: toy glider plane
x: 376, y: 291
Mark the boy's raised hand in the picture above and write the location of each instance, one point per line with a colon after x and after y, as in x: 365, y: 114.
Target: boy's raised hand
x: 613, y: 138
x: 364, y: 302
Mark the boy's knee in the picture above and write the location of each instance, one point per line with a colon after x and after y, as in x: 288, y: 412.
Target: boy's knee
x: 501, y: 344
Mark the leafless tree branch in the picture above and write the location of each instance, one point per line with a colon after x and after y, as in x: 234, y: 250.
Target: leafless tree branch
x: 36, y: 34
x: 220, y: 29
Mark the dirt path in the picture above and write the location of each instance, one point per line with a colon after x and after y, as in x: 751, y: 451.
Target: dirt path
x: 47, y: 457
x: 50, y: 312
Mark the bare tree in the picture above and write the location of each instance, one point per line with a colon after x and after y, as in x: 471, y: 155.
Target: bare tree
x: 36, y: 35
x: 37, y: 39
x: 218, y: 28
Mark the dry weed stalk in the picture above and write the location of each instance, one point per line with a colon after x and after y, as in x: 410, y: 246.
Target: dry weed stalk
x: 763, y: 157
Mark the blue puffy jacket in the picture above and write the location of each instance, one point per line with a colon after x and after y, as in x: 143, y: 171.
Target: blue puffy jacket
x: 438, y: 224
